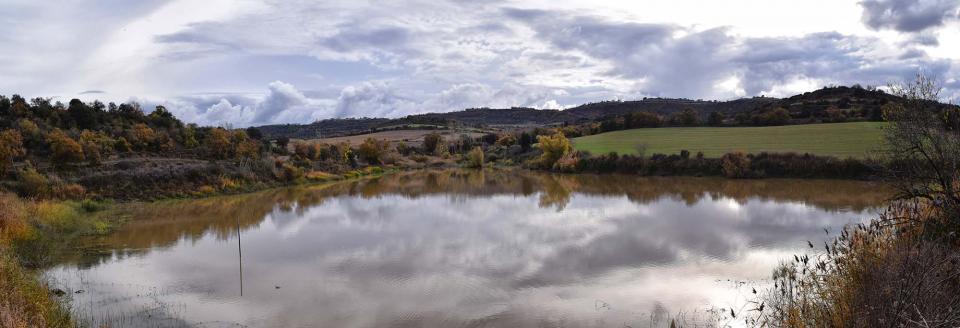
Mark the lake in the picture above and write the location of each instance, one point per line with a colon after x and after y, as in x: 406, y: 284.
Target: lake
x: 456, y: 248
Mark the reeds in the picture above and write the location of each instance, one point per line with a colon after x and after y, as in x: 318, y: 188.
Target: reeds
x: 887, y: 273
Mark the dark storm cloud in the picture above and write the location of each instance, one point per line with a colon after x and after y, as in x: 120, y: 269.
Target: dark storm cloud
x: 908, y: 15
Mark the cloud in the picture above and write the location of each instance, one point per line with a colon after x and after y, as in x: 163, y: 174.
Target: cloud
x: 366, y: 58
x: 668, y: 60
x: 372, y: 99
x: 908, y: 15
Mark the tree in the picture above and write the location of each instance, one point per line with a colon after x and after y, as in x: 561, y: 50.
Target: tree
x: 217, y: 143
x: 141, y: 136
x: 243, y: 146
x: 65, y: 150
x: 254, y: 133
x: 94, y: 145
x: 30, y: 132
x: 643, y: 120
x: 715, y: 119
x: 554, y: 147
x: 525, y: 140
x: 11, y: 147
x: 162, y: 117
x: 686, y: 117
x: 923, y: 147
x: 84, y: 116
x: 190, y: 136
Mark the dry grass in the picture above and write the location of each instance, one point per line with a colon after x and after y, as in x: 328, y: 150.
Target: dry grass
x: 889, y: 273
x: 30, y: 231
x: 26, y: 302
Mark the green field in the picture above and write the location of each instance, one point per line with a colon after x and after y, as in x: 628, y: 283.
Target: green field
x: 836, y: 139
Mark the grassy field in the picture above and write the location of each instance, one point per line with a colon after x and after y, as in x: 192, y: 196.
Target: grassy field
x: 836, y: 139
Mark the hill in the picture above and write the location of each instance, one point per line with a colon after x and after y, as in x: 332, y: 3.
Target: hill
x: 829, y: 104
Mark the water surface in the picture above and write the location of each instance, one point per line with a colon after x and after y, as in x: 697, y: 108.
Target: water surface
x: 457, y: 249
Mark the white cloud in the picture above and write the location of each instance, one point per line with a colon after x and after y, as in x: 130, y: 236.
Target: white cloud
x: 377, y: 58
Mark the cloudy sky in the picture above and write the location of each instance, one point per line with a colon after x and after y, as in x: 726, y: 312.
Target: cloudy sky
x: 254, y: 62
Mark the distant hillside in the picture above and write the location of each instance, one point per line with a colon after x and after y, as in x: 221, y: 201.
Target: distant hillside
x: 853, y: 103
x: 816, y: 103
x: 325, y: 128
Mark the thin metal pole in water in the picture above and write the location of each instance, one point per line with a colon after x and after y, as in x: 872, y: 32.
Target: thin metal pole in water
x: 240, y: 256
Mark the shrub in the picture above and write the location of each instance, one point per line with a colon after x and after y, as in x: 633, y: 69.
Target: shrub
x: 68, y: 191
x: 883, y: 274
x: 141, y: 136
x: 65, y: 149
x: 431, y: 142
x: 372, y: 150
x: 553, y: 147
x: 506, y: 140
x: 568, y: 162
x: 641, y: 149
x: 217, y: 143
x: 290, y: 173
x: 90, y: 205
x: 206, y: 190
x: 475, y: 158
x: 32, y: 183
x: 735, y: 165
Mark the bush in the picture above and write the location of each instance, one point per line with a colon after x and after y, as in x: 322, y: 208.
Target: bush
x: 735, y: 165
x: 90, y: 205
x: 883, y: 274
x: 475, y: 158
x: 32, y: 183
x: 68, y: 191
x: 289, y: 173
x: 431, y: 142
x: 65, y: 149
x: 554, y: 147
x: 372, y: 151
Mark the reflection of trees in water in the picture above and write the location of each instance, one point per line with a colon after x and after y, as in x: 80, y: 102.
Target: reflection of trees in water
x: 162, y: 224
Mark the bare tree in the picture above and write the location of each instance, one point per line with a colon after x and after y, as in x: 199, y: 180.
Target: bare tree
x: 923, y: 146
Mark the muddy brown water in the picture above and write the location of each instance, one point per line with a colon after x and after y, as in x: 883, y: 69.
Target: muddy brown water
x: 457, y: 249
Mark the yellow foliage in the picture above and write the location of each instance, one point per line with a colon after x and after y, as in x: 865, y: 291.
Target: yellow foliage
x: 554, y: 147
x: 11, y: 147
x: 320, y: 176
x: 64, y: 148
x: 475, y: 158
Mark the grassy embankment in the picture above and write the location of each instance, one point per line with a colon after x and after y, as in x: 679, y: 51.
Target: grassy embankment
x: 835, y: 139
x: 31, y: 233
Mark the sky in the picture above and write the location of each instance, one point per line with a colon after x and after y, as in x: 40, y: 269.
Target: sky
x: 256, y: 62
